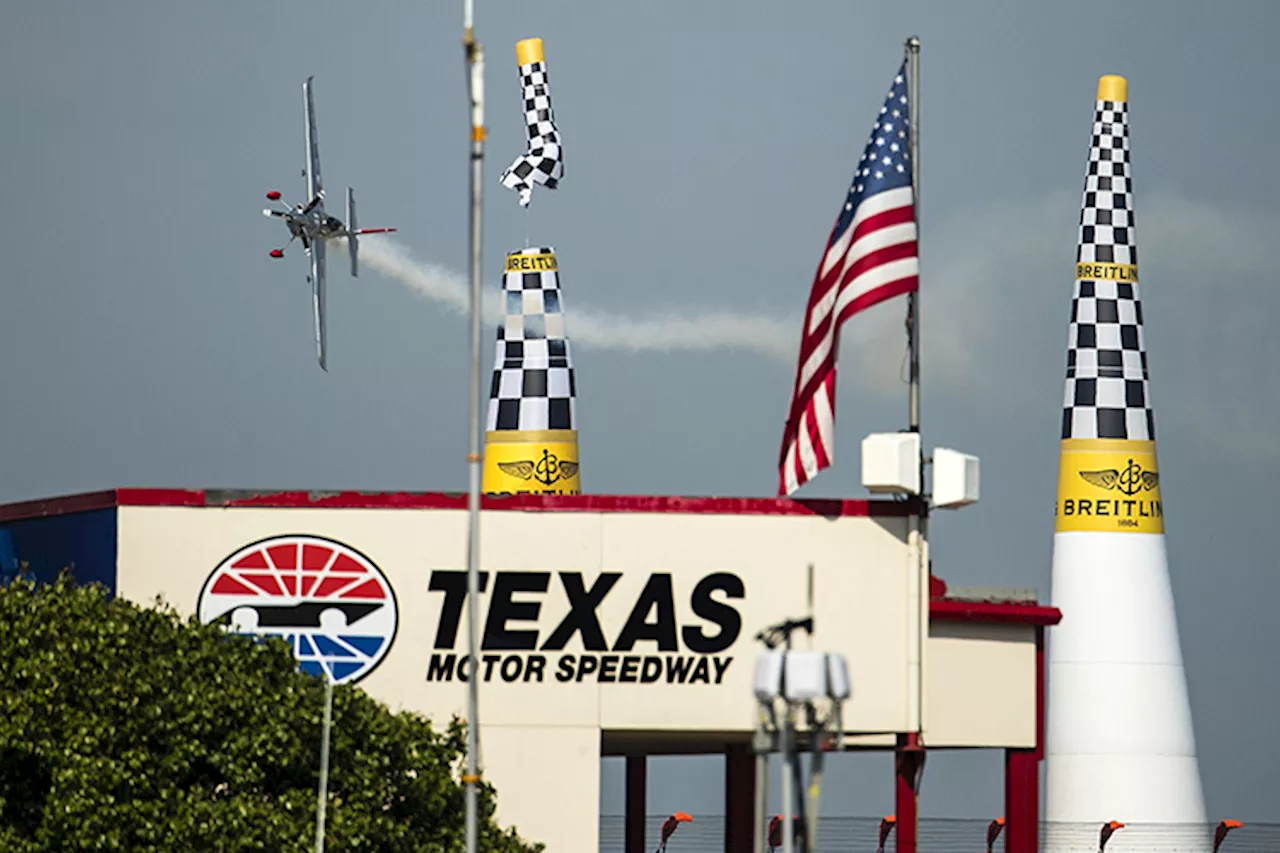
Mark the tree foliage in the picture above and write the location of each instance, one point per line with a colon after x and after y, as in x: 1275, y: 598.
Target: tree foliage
x: 127, y: 728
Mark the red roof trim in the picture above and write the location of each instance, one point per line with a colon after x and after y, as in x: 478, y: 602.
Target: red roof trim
x: 87, y: 502
x: 1008, y: 612
x: 451, y: 500
x: 160, y: 497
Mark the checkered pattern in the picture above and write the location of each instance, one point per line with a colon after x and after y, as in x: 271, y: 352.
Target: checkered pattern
x: 533, y: 385
x: 543, y: 163
x: 1107, y: 394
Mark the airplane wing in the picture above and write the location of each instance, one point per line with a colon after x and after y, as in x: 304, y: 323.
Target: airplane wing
x: 318, y: 300
x: 314, y: 184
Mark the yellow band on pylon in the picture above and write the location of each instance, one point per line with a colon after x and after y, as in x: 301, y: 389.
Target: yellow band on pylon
x: 532, y: 262
x: 1113, y: 88
x: 1095, y: 271
x: 538, y: 462
x: 529, y: 51
x: 1108, y: 486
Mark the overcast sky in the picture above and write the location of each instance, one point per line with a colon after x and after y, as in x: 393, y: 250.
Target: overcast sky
x: 146, y: 337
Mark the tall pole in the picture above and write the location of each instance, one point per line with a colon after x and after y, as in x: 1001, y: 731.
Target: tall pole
x: 789, y: 760
x: 921, y: 545
x: 475, y: 91
x: 919, y: 519
x: 913, y: 301
x: 322, y: 795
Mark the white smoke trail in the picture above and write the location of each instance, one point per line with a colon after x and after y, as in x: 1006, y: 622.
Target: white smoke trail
x: 769, y: 336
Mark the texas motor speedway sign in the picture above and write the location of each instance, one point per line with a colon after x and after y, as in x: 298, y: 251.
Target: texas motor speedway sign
x: 599, y: 632
x: 616, y: 621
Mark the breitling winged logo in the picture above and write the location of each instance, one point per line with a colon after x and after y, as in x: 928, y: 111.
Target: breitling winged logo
x: 547, y: 470
x: 1129, y: 481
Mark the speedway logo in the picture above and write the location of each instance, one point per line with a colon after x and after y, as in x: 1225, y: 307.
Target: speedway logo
x: 649, y: 647
x: 326, y: 599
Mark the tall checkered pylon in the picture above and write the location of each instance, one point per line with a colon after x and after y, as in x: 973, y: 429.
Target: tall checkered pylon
x: 1119, y: 742
x: 531, y: 436
x: 543, y: 161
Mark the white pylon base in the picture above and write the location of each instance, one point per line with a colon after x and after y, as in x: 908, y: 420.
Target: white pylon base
x: 1119, y: 740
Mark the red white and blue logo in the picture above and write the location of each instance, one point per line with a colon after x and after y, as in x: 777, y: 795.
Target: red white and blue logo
x: 326, y: 599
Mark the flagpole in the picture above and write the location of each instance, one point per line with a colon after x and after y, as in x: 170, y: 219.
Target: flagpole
x: 918, y: 519
x: 913, y: 301
x: 921, y: 520
x: 475, y: 91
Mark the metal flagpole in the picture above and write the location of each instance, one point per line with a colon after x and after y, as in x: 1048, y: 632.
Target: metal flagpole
x: 913, y: 75
x: 323, y: 794
x: 913, y: 301
x: 475, y: 91
x: 919, y: 519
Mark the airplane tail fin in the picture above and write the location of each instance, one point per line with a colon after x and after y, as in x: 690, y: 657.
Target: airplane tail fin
x: 354, y: 231
x: 353, y: 241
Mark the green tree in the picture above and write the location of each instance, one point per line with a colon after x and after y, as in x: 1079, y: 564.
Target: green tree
x: 127, y: 728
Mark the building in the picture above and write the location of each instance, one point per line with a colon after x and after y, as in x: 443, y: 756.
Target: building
x: 612, y: 625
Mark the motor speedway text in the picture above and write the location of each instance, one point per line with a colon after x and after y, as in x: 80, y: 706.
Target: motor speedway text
x: 686, y: 654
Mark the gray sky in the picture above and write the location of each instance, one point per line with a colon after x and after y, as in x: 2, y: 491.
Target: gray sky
x: 149, y: 340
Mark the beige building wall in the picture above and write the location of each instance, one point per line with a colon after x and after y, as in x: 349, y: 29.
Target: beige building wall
x: 548, y: 783
x: 980, y: 685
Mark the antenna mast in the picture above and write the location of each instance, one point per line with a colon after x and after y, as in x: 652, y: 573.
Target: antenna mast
x: 474, y: 54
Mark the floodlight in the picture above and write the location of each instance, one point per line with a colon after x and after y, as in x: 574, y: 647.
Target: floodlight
x: 955, y: 478
x: 891, y: 463
x: 838, y: 687
x: 768, y: 677
x: 805, y: 678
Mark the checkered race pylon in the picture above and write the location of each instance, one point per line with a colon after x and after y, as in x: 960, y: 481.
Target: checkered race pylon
x: 543, y: 161
x: 1107, y: 393
x: 533, y: 384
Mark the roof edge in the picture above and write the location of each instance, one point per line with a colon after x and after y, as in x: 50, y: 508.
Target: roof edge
x: 269, y: 498
x: 988, y: 612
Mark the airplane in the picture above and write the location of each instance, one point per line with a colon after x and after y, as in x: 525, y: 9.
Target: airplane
x: 311, y: 224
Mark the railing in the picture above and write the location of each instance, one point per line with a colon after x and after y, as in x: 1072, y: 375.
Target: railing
x: 705, y: 834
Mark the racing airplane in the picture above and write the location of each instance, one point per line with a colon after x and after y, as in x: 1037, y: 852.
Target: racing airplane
x: 311, y: 224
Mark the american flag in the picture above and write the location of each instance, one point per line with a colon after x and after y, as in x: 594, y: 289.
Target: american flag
x: 871, y: 256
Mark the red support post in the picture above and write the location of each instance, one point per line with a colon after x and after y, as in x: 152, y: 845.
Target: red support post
x: 636, y: 804
x: 908, y: 767
x: 1021, y: 801
x: 1022, y: 775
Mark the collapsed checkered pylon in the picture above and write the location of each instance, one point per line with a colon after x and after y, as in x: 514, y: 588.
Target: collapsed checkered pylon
x: 543, y: 161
